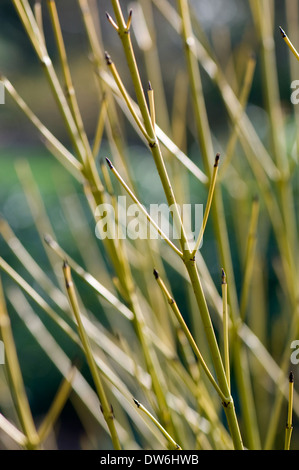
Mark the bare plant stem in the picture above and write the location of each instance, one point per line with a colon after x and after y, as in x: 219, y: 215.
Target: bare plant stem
x: 11, y: 431
x: 244, y: 93
x: 271, y: 92
x: 289, y: 425
x: 58, y: 403
x: 187, y: 332
x: 15, y: 375
x: 250, y: 257
x: 208, y: 205
x: 153, y: 143
x: 105, y: 406
x: 94, y: 185
x: 188, y: 260
x: 62, y: 153
x: 205, y: 141
x: 89, y: 171
x: 142, y: 208
x: 70, y: 91
x: 142, y: 408
x: 225, y: 328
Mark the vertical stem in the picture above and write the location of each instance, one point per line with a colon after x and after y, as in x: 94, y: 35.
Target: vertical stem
x: 125, y: 37
x: 70, y: 91
x: 289, y: 425
x: 225, y: 328
x: 105, y: 406
x: 15, y: 375
x: 208, y: 206
x: 57, y: 405
x: 205, y: 141
x: 219, y: 369
x: 272, y: 100
x: 250, y: 257
x: 189, y: 261
x: 188, y: 334
x: 171, y: 441
x: 292, y: 16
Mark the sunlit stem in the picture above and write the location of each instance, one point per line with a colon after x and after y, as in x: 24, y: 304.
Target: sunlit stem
x: 208, y: 206
x: 159, y: 426
x: 143, y: 210
x: 188, y: 334
x: 289, y: 425
x: 289, y: 43
x: 225, y: 328
x: 105, y: 406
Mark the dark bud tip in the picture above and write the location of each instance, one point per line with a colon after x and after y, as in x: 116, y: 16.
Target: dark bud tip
x: 136, y: 402
x: 109, y: 163
x: 291, y: 378
x: 150, y: 86
x: 108, y: 58
x: 217, y: 158
x: 156, y: 274
x: 282, y: 32
x: 65, y: 264
x: 223, y: 276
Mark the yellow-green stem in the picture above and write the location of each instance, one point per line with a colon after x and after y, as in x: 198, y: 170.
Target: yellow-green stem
x: 15, y: 376
x: 289, y: 425
x: 105, y: 406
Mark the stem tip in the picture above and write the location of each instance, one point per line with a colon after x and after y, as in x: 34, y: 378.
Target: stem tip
x: 136, y: 402
x: 108, y: 58
x: 282, y: 32
x: 65, y: 264
x: 109, y: 163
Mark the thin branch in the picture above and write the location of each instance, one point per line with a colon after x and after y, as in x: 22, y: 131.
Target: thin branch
x: 188, y: 334
x: 159, y: 426
x: 142, y: 208
x: 289, y: 425
x: 225, y: 327
x: 208, y: 206
x: 15, y: 376
x: 105, y: 406
x: 289, y: 43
